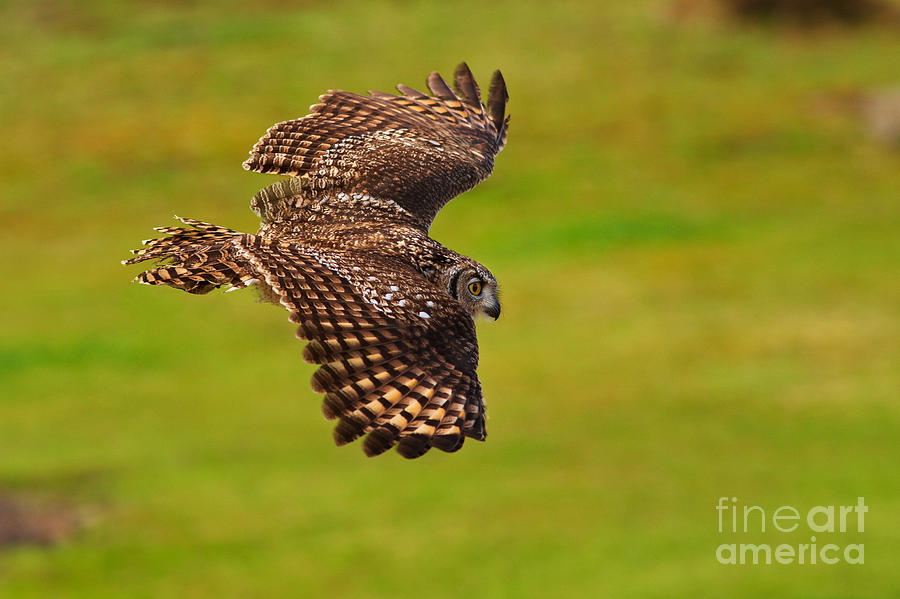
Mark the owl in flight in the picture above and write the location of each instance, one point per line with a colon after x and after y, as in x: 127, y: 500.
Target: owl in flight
x: 388, y: 312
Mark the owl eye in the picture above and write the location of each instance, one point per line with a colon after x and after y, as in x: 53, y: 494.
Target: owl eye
x: 475, y: 287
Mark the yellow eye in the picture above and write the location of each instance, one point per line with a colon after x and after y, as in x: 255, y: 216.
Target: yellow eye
x: 475, y: 287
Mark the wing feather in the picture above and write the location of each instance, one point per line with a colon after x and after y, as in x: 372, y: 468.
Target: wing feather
x: 439, y: 87
x: 466, y: 86
x: 388, y: 426
x: 415, y: 440
x: 386, y: 372
x: 416, y: 150
x: 497, y: 99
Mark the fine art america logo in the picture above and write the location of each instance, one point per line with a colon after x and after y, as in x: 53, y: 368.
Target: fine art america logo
x: 821, y: 519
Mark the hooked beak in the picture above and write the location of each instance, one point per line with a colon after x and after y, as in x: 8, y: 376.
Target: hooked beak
x: 493, y: 310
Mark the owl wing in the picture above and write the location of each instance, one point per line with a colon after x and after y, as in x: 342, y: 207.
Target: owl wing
x: 416, y: 150
x: 398, y: 365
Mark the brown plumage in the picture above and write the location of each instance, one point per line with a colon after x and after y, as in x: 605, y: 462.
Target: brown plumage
x: 388, y: 312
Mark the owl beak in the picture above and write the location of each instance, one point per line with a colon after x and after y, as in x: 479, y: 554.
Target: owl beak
x: 493, y: 310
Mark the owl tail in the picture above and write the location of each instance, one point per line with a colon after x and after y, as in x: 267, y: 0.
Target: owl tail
x: 196, y: 259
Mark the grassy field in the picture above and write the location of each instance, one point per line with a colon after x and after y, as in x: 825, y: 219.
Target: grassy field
x: 698, y: 249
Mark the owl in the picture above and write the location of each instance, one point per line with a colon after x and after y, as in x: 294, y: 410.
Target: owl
x: 388, y: 313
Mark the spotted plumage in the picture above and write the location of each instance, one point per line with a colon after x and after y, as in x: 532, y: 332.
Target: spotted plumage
x: 388, y: 313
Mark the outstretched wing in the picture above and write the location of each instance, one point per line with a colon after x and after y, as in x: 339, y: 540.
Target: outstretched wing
x: 396, y: 363
x: 417, y: 150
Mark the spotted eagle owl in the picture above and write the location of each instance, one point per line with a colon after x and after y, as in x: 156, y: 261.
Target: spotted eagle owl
x: 343, y: 245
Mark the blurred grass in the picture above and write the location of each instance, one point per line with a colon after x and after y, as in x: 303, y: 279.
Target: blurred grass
x: 698, y: 256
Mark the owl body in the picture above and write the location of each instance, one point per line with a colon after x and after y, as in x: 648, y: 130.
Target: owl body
x: 343, y: 229
x: 388, y: 313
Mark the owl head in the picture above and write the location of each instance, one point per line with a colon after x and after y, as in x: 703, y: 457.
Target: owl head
x: 473, y: 286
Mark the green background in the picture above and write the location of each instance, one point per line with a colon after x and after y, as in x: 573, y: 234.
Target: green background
x: 698, y: 251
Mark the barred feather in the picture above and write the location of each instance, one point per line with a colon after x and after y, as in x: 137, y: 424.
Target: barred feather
x: 415, y: 439
x: 474, y: 425
x: 388, y: 426
x: 197, y: 260
x: 381, y: 376
x: 448, y: 435
x: 420, y: 151
x: 497, y: 99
